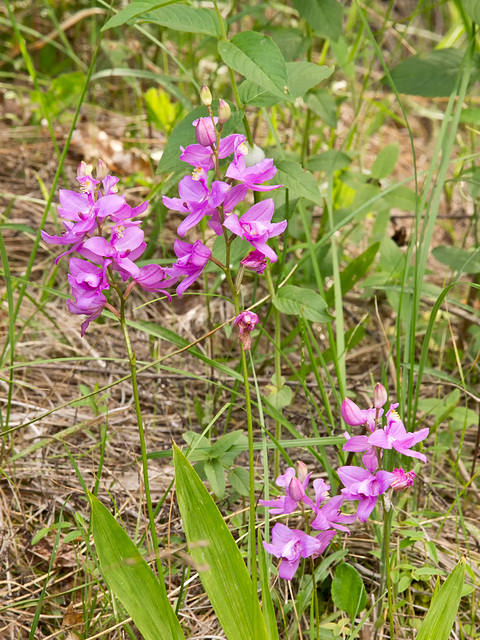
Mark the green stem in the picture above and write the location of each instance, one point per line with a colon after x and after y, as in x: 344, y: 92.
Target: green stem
x: 278, y: 366
x: 386, y: 543
x: 251, y: 470
x: 141, y: 433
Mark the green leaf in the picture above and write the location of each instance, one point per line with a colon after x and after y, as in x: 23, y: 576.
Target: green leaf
x: 324, y: 16
x: 472, y: 7
x: 330, y: 161
x: 280, y: 397
x: 179, y: 18
x: 184, y: 134
x: 458, y: 259
x: 258, y: 58
x: 133, y: 10
x: 353, y: 273
x: 239, y: 478
x: 131, y: 579
x: 298, y: 180
x: 299, y: 301
x: 216, y: 477
x: 323, y: 104
x: 348, y: 591
x: 431, y: 75
x: 444, y: 606
x: 217, y: 558
x: 302, y: 76
x: 224, y: 443
x: 385, y: 161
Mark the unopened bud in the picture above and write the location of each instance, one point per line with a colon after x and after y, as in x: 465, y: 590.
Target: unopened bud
x: 224, y: 111
x: 379, y: 396
x: 296, y: 490
x: 102, y: 169
x: 254, y: 155
x: 205, y: 132
x: 352, y: 414
x: 84, y: 169
x: 302, y: 470
x: 403, y: 479
x: 205, y: 95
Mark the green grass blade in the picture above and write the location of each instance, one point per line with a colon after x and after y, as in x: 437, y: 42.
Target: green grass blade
x: 442, y: 613
x: 131, y: 579
x: 217, y: 558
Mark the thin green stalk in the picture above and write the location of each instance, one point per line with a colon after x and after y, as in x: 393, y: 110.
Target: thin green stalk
x: 278, y: 365
x: 141, y: 433
x: 386, y: 545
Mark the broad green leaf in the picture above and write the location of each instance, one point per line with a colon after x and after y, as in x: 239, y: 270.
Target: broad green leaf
x: 216, y: 477
x: 131, y: 579
x: 472, y: 7
x: 216, y: 556
x: 348, y: 591
x: 224, y: 443
x: 441, y: 616
x: 330, y: 161
x: 458, y: 259
x: 323, y: 104
x: 298, y: 180
x: 134, y: 10
x: 298, y: 301
x: 184, y: 134
x: 281, y: 396
x: 292, y: 42
x: 180, y: 17
x: 302, y: 76
x: 401, y: 197
x: 258, y: 58
x: 324, y: 16
x: 353, y: 272
x: 385, y: 161
x: 240, y: 480
x: 431, y: 75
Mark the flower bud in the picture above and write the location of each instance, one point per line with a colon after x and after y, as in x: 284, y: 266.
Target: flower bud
x: 224, y: 112
x: 205, y: 132
x: 205, y: 95
x: 246, y: 322
x: 295, y: 489
x: 102, y: 170
x: 352, y: 414
x: 254, y: 156
x: 302, y: 470
x: 84, y: 169
x: 379, y: 396
x: 255, y: 261
x: 402, y: 479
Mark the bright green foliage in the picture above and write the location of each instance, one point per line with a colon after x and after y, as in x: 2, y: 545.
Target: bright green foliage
x: 385, y: 161
x: 131, y: 579
x: 323, y: 16
x: 442, y: 613
x: 433, y: 75
x: 298, y: 301
x: 217, y: 558
x: 298, y: 180
x: 258, y: 58
x: 348, y: 592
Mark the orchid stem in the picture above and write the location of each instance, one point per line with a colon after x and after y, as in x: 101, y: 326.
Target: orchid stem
x: 278, y: 365
x: 141, y: 433
x: 386, y: 543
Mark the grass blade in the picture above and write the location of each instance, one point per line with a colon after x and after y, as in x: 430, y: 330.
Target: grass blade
x: 131, y: 579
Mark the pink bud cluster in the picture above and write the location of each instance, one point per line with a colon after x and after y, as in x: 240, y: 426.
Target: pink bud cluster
x: 364, y: 485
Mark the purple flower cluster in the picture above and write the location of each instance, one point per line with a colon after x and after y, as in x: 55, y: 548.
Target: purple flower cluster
x: 364, y: 485
x: 216, y: 200
x: 100, y: 227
